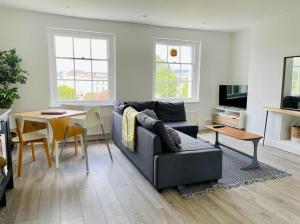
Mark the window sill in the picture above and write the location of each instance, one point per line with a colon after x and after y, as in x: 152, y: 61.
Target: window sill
x: 84, y: 103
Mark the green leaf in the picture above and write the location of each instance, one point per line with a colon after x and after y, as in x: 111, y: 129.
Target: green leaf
x: 11, y: 74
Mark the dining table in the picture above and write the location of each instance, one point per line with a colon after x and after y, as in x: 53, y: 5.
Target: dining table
x: 45, y: 116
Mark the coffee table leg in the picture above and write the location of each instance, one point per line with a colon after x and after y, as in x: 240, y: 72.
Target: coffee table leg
x: 217, y: 145
x: 254, y: 164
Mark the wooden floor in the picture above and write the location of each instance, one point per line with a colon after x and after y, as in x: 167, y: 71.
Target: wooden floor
x: 118, y: 193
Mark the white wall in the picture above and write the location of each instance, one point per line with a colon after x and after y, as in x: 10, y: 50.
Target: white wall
x: 240, y: 58
x: 270, y: 42
x: 27, y: 32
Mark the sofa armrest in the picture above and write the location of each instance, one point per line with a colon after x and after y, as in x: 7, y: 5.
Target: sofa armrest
x: 147, y: 146
x: 173, y: 169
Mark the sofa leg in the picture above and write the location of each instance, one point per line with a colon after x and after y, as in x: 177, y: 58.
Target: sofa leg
x: 159, y: 190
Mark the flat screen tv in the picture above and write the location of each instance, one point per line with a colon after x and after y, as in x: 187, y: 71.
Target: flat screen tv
x: 233, y: 95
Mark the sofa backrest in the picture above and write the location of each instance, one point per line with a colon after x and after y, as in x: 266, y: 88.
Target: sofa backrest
x: 165, y: 111
x: 140, y: 106
x: 170, y: 112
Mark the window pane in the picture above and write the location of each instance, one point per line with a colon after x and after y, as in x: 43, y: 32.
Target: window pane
x: 186, y: 89
x: 63, y: 46
x: 82, y: 48
x: 173, y: 58
x: 186, y: 72
x: 162, y: 72
x: 174, y: 73
x: 99, y: 49
x: 65, y: 90
x: 173, y: 90
x: 186, y: 54
x: 84, y: 90
x: 100, y: 69
x: 83, y: 69
x: 65, y: 68
x: 161, y: 53
x: 100, y: 90
x: 161, y: 89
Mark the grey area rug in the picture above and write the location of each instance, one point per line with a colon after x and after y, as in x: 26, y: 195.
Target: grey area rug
x: 233, y: 176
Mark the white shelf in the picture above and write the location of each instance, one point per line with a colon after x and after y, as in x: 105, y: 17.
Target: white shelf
x: 229, y: 113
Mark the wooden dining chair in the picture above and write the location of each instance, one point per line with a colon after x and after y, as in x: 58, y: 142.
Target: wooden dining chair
x: 62, y: 131
x: 30, y: 126
x: 73, y: 129
x: 29, y: 137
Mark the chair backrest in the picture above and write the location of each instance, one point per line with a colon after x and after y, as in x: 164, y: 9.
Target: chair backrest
x: 59, y: 126
x: 93, y: 117
x: 18, y: 130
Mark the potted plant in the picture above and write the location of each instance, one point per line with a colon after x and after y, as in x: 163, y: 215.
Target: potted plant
x: 11, y: 73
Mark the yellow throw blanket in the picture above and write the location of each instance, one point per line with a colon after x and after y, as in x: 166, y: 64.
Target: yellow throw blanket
x: 129, y: 128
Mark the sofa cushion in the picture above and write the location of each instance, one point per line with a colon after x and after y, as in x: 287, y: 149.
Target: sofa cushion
x: 140, y: 106
x: 173, y: 135
x: 157, y: 127
x: 191, y: 144
x: 170, y: 111
x: 185, y: 127
x: 119, y: 107
x: 150, y: 113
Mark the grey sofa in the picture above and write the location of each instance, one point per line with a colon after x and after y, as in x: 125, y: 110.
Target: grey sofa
x: 195, y: 162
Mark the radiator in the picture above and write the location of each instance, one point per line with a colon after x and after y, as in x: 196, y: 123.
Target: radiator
x: 192, y: 116
x: 107, y: 125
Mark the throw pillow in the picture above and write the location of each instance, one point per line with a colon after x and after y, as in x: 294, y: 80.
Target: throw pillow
x: 157, y: 127
x: 169, y: 112
x: 119, y: 107
x: 140, y: 106
x: 150, y: 113
x: 173, y: 135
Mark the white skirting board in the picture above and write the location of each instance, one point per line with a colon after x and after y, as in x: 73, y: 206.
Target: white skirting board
x: 285, y: 145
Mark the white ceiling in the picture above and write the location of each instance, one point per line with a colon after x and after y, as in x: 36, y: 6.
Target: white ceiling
x: 226, y: 15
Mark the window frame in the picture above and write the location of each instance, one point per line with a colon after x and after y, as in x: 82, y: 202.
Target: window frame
x: 110, y: 37
x: 196, y: 55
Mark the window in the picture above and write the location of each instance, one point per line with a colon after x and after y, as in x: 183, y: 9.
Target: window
x: 296, y: 77
x: 82, y: 66
x: 176, y: 69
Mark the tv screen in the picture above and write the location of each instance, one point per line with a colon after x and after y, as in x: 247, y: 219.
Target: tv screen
x: 233, y: 95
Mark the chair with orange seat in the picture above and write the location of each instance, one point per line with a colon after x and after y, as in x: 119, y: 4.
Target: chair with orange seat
x: 29, y: 137
x: 62, y: 131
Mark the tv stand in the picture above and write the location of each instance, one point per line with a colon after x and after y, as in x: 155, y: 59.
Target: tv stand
x: 229, y: 116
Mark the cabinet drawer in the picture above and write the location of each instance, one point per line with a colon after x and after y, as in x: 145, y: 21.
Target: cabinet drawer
x: 227, y: 120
